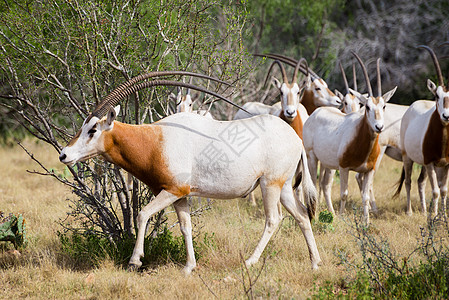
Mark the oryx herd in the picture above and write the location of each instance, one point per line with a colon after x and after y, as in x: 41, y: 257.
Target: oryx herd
x: 275, y: 147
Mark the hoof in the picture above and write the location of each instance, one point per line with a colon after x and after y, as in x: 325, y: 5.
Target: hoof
x: 315, y: 266
x: 249, y: 262
x: 187, y: 271
x: 133, y: 267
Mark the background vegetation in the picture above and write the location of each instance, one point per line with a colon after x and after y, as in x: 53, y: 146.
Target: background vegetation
x: 59, y: 58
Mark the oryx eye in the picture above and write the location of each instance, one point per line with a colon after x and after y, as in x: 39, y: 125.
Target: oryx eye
x: 384, y: 107
x: 317, y: 89
x: 91, y: 132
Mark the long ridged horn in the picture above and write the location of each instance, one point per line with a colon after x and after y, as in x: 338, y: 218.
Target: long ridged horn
x: 298, y: 65
x: 365, y: 73
x: 379, y: 82
x: 443, y: 44
x: 355, y: 77
x: 344, y: 78
x: 146, y: 84
x: 103, y: 107
x: 435, y: 62
x: 290, y: 61
x: 284, y: 74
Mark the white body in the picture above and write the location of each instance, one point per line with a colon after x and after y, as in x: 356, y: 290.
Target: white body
x: 187, y: 154
x: 416, y: 126
x: 333, y: 138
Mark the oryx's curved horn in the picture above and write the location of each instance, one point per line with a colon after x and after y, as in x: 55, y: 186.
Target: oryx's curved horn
x: 355, y: 77
x: 289, y: 61
x: 443, y: 44
x: 435, y: 62
x: 365, y: 73
x: 102, y: 108
x: 284, y: 74
x: 146, y: 84
x: 298, y: 65
x: 344, y: 77
x: 379, y: 82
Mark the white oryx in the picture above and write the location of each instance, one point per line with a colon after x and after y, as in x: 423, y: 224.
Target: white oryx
x: 424, y: 139
x: 348, y: 142
x: 291, y: 111
x: 349, y: 103
x: 188, y: 154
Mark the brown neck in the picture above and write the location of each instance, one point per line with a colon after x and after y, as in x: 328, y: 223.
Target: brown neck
x: 296, y: 123
x: 436, y: 144
x: 138, y: 150
x: 308, y: 100
x: 364, y: 148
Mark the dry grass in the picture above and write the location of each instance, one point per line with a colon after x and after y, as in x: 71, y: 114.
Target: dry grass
x: 42, y: 271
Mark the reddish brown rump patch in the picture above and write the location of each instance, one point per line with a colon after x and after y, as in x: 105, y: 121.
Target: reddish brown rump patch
x: 138, y: 150
x: 296, y: 123
x: 308, y: 101
x: 435, y: 144
x: 363, y: 149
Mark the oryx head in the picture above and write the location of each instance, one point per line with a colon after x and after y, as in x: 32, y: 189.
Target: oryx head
x: 184, y: 103
x: 322, y: 95
x: 440, y: 91
x: 374, y: 106
x: 350, y: 102
x: 290, y: 92
x: 89, y: 141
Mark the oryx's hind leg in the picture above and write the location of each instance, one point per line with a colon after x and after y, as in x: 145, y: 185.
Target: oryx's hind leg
x: 299, y: 211
x: 408, y: 168
x: 162, y: 200
x: 270, y: 194
x: 183, y: 212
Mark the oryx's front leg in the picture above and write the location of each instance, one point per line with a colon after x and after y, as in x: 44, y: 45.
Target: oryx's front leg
x: 435, y: 189
x: 162, y: 200
x: 326, y: 182
x: 271, y: 197
x: 442, y: 174
x: 366, y: 186
x: 422, y: 189
x: 344, y: 176
x: 183, y: 211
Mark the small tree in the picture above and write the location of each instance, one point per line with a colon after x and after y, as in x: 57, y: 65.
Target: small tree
x: 59, y: 58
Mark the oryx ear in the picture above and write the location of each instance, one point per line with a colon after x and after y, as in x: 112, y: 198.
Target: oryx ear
x: 432, y: 87
x: 362, y: 97
x: 112, y: 114
x: 339, y: 95
x: 387, y: 96
x: 276, y: 82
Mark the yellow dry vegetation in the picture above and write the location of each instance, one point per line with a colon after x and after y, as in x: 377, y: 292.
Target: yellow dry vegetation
x: 42, y: 271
